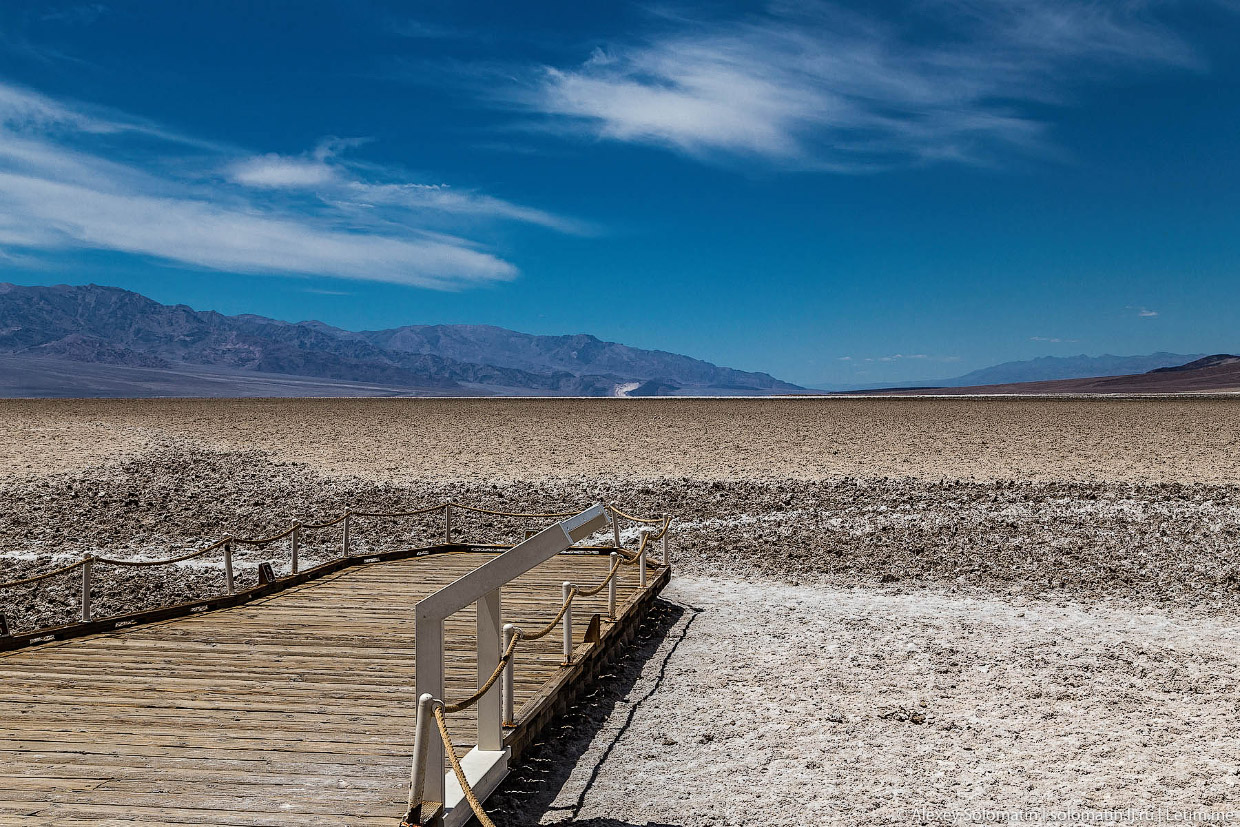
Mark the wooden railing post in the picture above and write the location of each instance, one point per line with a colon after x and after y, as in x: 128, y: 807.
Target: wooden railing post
x: 87, y: 565
x: 228, y: 567
x: 447, y: 524
x: 296, y: 543
x: 348, y: 517
x: 615, y: 527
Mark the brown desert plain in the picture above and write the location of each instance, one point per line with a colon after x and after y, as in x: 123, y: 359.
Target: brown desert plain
x: 884, y: 611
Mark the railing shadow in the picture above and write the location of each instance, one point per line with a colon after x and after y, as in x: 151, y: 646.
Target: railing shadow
x: 530, y: 793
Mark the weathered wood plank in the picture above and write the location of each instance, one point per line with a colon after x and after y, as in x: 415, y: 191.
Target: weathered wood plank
x: 294, y: 706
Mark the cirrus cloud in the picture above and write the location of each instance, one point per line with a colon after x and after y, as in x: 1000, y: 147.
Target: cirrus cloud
x: 814, y: 86
x: 75, y: 178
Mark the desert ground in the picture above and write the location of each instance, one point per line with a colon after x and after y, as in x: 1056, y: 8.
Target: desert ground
x: 884, y: 611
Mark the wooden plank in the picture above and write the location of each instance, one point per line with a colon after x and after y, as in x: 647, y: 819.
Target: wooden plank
x: 294, y: 704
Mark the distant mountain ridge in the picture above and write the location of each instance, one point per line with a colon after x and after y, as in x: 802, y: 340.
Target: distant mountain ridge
x: 1217, y: 374
x: 94, y: 325
x: 1217, y: 360
x: 1043, y: 369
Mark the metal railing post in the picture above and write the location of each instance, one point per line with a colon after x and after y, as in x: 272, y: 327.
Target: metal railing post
x: 611, y: 586
x: 228, y: 567
x: 568, y: 625
x: 348, y: 518
x: 447, y: 524
x: 296, y: 543
x: 428, y: 682
x: 667, y: 529
x: 508, y: 687
x: 641, y: 563
x: 490, y: 706
x: 615, y: 527
x: 87, y: 564
x: 421, y: 746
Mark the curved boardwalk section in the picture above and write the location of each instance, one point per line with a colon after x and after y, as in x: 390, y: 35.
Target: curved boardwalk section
x: 296, y: 708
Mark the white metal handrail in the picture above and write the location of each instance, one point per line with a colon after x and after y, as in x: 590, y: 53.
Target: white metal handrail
x: 482, y: 587
x: 485, y: 766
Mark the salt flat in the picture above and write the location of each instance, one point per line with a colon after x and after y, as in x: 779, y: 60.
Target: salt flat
x: 1181, y: 439
x: 885, y: 609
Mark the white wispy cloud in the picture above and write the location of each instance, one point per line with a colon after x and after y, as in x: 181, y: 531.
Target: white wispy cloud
x: 73, y: 177
x: 1053, y: 339
x: 813, y: 86
x: 336, y: 181
x: 900, y: 357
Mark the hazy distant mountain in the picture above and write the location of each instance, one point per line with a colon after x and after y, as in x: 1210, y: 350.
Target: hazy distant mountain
x: 95, y: 325
x: 1045, y: 368
x: 577, y: 354
x: 1211, y: 374
x: 1042, y: 369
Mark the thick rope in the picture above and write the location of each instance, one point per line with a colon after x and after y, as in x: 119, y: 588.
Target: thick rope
x: 667, y: 523
x: 615, y: 567
x: 512, y: 513
x: 466, y: 703
x: 546, y: 630
x: 140, y: 563
x: 329, y: 523
x: 265, y: 540
x: 414, y: 513
x: 36, y: 577
x: 620, y: 513
x: 474, y: 803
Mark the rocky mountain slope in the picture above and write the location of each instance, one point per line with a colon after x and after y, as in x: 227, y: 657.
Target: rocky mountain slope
x: 105, y: 326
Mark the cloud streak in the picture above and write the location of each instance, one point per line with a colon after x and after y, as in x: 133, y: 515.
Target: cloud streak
x: 816, y: 87
x: 61, y: 187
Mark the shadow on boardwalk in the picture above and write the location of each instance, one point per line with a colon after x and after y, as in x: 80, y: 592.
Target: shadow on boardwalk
x: 536, y: 791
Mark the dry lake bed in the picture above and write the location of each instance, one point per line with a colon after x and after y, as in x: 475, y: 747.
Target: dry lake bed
x: 885, y: 611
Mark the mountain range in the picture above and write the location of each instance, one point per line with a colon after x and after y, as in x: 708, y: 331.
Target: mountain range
x: 1041, y: 369
x: 103, y: 341
x: 1219, y: 373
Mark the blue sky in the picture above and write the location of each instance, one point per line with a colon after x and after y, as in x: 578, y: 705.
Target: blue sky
x: 834, y: 192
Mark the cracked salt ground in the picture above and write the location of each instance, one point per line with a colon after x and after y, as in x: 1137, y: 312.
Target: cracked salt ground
x: 1118, y: 541
x: 791, y: 705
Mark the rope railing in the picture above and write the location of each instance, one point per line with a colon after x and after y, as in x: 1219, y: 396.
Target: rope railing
x: 34, y: 578
x: 294, y: 531
x: 503, y: 669
x: 466, y: 790
x: 620, y: 513
x: 165, y: 562
x: 554, y: 516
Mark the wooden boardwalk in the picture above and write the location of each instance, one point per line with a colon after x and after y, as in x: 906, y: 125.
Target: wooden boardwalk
x: 295, y: 708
